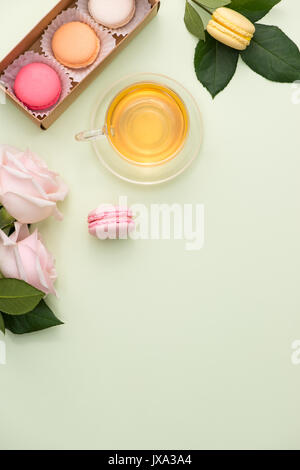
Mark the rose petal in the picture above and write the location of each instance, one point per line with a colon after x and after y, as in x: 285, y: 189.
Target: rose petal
x: 27, y: 185
x: 21, y: 232
x: 8, y: 266
x: 27, y: 209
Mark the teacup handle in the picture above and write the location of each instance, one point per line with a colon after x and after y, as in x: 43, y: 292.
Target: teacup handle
x: 88, y: 136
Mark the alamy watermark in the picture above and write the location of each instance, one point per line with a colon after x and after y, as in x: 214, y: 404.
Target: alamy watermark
x: 295, y: 98
x: 295, y: 356
x: 2, y: 93
x: 165, y: 222
x: 2, y: 353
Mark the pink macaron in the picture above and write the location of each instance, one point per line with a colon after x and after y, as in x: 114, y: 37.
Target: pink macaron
x: 37, y: 86
x: 108, y: 221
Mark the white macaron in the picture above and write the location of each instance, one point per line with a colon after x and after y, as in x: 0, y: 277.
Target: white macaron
x: 112, y: 13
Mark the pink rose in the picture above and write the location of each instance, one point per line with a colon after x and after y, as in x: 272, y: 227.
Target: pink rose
x: 28, y: 189
x: 23, y: 256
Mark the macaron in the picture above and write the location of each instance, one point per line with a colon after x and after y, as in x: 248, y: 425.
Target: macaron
x: 37, y: 86
x: 231, y: 28
x: 112, y: 13
x: 108, y: 221
x: 75, y: 45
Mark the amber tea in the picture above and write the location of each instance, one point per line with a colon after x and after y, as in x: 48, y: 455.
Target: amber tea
x: 147, y: 123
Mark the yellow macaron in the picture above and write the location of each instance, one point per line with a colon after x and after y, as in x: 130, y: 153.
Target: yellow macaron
x: 231, y: 28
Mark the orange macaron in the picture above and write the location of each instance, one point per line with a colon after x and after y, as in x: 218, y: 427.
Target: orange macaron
x: 75, y: 45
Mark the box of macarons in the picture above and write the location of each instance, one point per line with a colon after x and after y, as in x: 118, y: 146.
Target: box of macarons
x: 66, y: 50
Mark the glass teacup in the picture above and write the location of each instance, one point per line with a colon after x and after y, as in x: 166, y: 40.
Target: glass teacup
x: 146, y: 129
x: 146, y: 123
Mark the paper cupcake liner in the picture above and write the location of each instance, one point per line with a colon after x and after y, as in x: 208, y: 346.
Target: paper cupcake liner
x: 10, y: 73
x: 142, y: 7
x: 107, y: 42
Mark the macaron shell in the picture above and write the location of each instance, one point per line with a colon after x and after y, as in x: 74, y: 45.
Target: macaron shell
x: 97, y: 217
x: 75, y: 45
x: 112, y: 13
x: 108, y: 209
x: 37, y: 86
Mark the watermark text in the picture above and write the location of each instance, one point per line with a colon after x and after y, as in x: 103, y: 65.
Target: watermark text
x: 2, y: 353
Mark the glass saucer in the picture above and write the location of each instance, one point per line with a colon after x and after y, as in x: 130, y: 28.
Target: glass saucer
x: 149, y: 175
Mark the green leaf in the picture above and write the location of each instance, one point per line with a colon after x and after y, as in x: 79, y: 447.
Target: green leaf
x: 193, y: 21
x: 254, y: 10
x: 2, y: 325
x: 212, y: 4
x: 40, y: 318
x: 273, y: 55
x: 18, y: 297
x: 5, y: 218
x: 215, y: 64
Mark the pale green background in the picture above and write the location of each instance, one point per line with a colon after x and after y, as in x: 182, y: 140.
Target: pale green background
x: 164, y: 348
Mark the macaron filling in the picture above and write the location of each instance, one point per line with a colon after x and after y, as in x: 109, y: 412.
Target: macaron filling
x: 228, y: 25
x: 112, y: 220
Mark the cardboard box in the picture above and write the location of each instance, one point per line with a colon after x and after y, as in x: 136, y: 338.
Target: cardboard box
x: 32, y: 42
